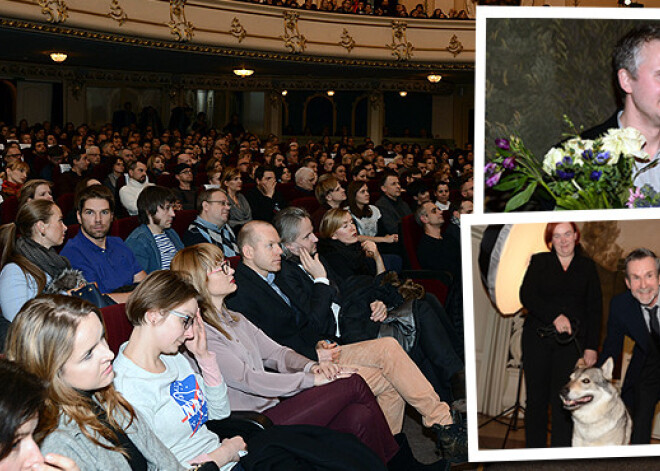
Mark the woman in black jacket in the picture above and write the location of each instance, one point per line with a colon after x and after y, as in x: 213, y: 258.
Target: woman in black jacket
x: 561, y: 292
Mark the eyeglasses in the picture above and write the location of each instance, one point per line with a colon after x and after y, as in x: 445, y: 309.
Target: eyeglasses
x: 224, y: 267
x: 188, y: 320
x: 222, y: 203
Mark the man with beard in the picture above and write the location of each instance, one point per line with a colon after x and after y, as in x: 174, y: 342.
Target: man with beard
x: 211, y: 224
x: 104, y: 260
x: 154, y: 243
x: 137, y: 181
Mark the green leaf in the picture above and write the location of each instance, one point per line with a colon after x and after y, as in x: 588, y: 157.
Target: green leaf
x: 511, y: 182
x: 521, y: 198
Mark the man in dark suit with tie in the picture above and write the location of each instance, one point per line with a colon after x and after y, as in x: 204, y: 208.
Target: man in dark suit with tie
x: 634, y: 314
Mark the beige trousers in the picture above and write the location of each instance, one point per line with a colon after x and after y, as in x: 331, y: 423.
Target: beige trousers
x: 395, y: 379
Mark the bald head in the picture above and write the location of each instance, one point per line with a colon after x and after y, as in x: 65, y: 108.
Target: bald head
x: 259, y: 244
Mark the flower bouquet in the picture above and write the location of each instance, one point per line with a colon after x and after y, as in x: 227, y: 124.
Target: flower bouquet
x: 579, y: 174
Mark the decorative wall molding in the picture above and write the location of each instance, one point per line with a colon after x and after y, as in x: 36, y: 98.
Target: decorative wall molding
x: 55, y: 10
x: 181, y: 28
x: 401, y: 48
x: 293, y: 39
x: 117, y: 13
x: 455, y: 46
x: 347, y: 41
x: 211, y: 82
x: 237, y: 30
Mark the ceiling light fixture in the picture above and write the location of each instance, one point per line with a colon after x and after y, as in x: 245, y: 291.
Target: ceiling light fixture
x: 331, y: 93
x: 58, y: 57
x: 243, y: 72
x: 433, y: 78
x: 403, y: 93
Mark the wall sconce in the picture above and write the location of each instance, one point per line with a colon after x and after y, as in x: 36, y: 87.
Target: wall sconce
x: 331, y: 93
x: 403, y: 93
x: 434, y: 78
x: 242, y: 73
x: 284, y: 92
x: 58, y: 57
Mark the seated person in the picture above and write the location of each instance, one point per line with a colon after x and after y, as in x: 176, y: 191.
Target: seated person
x: 211, y: 224
x: 61, y: 340
x: 330, y: 194
x: 270, y: 303
x: 159, y: 381
x: 136, y: 182
x: 239, y: 208
x: 31, y: 262
x: 103, y: 259
x: 265, y: 201
x: 314, y: 392
x: 185, y: 191
x: 154, y: 243
x: 391, y: 205
x: 442, y: 196
x: 66, y: 182
x: 21, y: 402
x: 305, y: 178
x: 435, y: 251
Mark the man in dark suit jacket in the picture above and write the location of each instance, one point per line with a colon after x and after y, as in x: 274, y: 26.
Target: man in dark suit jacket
x: 266, y: 300
x: 630, y: 317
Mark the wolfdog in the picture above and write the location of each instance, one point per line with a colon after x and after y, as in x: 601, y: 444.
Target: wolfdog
x: 599, y: 415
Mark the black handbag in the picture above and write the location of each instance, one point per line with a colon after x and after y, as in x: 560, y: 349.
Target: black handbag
x: 400, y: 324
x: 90, y: 292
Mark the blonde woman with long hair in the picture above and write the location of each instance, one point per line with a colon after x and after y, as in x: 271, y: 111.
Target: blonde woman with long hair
x: 61, y: 340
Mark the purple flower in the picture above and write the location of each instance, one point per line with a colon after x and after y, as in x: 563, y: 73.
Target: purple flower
x: 502, y: 144
x: 634, y: 196
x: 565, y: 175
x: 596, y: 174
x: 492, y: 181
x: 588, y: 154
x: 567, y: 160
x: 490, y: 168
x: 603, y: 157
x: 509, y: 163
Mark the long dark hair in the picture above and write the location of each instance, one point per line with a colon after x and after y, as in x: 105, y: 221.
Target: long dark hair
x: 21, y: 397
x: 351, y: 193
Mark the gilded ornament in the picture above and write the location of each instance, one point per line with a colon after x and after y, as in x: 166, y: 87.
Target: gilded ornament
x: 179, y: 26
x: 400, y: 47
x: 117, y: 13
x: 347, y: 41
x: 55, y: 10
x: 455, y: 46
x: 237, y: 30
x: 292, y: 37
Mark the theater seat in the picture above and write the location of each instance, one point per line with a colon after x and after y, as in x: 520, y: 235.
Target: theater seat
x: 9, y: 208
x: 65, y: 202
x: 309, y: 203
x: 117, y: 327
x: 124, y: 226
x: 182, y: 220
x: 435, y: 282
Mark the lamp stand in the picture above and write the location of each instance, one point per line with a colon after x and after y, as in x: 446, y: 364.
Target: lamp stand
x: 514, y: 410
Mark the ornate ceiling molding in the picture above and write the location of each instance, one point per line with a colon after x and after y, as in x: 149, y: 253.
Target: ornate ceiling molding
x: 117, y: 13
x: 347, y: 41
x: 237, y: 30
x: 242, y: 53
x: 293, y: 39
x: 55, y: 10
x: 180, y: 28
x: 401, y: 48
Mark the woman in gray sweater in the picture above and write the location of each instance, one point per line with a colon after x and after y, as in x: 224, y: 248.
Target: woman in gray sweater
x: 61, y: 339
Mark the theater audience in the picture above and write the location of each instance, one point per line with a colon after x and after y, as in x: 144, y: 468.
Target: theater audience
x: 185, y: 191
x: 391, y: 205
x: 61, y: 339
x: 330, y: 194
x: 154, y: 243
x: 14, y: 177
x: 264, y: 199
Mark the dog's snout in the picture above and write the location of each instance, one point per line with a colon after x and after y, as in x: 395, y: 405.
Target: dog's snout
x: 564, y: 391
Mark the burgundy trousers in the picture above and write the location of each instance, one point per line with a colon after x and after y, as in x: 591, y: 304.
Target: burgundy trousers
x: 345, y: 405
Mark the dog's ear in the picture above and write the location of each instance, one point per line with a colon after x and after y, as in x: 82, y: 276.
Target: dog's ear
x: 607, y: 368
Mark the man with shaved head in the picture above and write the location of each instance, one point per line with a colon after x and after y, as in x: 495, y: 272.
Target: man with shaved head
x: 267, y: 301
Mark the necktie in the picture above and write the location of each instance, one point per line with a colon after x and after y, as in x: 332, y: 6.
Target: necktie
x: 653, y: 322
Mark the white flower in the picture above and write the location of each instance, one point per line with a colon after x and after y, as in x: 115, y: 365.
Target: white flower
x: 576, y: 146
x: 551, y: 159
x: 626, y: 141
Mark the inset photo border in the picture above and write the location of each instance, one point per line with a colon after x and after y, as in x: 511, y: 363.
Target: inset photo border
x: 496, y: 249
x: 535, y: 65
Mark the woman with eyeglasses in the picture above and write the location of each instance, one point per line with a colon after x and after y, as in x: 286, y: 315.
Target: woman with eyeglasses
x: 159, y: 382
x: 61, y: 340
x: 315, y: 393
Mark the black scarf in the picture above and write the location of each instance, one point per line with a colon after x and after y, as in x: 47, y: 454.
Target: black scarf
x: 47, y: 259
